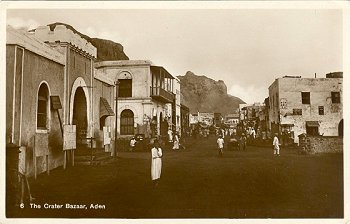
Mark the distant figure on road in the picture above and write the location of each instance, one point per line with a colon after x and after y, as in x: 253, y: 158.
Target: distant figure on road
x: 220, y: 143
x: 243, y: 142
x: 253, y: 133
x: 156, y: 166
x: 276, y: 145
x: 170, y: 135
x: 176, y: 142
x: 132, y: 143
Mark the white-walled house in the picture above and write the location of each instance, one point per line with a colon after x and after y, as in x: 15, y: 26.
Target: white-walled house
x: 146, y: 97
x: 307, y: 105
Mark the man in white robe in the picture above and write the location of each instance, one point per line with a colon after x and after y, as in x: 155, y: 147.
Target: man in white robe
x: 156, y: 166
x: 276, y: 145
x: 176, y: 145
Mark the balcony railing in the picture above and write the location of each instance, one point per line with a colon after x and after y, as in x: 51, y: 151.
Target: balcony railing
x: 162, y: 95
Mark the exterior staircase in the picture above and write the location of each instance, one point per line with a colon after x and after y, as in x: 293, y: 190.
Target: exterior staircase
x: 87, y: 156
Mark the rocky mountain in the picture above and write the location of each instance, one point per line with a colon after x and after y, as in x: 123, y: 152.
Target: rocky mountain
x: 203, y: 94
x: 106, y: 49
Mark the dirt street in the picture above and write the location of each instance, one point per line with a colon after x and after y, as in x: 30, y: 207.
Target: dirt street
x: 196, y: 183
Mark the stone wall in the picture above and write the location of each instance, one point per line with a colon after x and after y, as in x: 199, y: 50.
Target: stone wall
x: 322, y: 144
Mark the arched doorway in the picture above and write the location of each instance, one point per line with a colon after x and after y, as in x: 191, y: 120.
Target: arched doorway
x: 341, y: 128
x: 80, y: 115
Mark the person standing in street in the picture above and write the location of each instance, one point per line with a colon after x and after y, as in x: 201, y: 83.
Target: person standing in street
x: 243, y: 142
x: 276, y: 145
x: 220, y: 143
x: 222, y: 133
x: 253, y: 133
x: 156, y: 166
x: 176, y: 145
x: 170, y: 135
x: 132, y: 144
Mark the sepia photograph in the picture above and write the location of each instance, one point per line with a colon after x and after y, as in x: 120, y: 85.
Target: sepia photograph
x: 173, y: 111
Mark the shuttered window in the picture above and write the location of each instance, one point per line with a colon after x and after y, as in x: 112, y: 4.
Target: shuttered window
x: 305, y: 97
x: 127, y: 122
x: 335, y: 97
x: 125, y: 88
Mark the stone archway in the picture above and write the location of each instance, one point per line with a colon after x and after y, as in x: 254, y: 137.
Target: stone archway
x: 80, y: 118
x: 80, y: 110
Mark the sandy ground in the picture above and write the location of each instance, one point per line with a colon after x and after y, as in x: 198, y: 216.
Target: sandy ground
x: 196, y: 183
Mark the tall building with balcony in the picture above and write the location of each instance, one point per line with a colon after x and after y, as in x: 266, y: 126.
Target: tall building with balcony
x: 307, y: 105
x: 146, y: 97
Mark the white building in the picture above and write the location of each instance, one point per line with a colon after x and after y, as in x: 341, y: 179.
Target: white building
x: 232, y: 119
x: 193, y: 118
x: 206, y: 118
x: 307, y: 105
x: 146, y: 97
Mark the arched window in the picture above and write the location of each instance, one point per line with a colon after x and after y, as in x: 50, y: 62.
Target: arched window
x: 43, y: 107
x: 127, y: 122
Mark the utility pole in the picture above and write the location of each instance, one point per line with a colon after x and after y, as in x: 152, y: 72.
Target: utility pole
x: 116, y: 119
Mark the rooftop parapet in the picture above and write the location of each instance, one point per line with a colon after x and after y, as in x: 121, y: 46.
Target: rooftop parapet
x: 33, y: 44
x: 62, y: 34
x: 122, y: 63
x: 334, y: 75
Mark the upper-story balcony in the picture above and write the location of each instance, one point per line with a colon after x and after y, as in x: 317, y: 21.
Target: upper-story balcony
x: 162, y: 85
x: 162, y: 95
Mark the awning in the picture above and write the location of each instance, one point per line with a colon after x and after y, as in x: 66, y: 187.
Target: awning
x: 312, y: 124
x: 160, y: 70
x: 105, y: 108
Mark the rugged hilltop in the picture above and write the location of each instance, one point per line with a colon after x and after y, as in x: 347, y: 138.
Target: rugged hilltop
x: 106, y: 49
x: 203, y: 94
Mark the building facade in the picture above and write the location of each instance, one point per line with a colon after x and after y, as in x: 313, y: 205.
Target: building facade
x: 306, y: 105
x: 206, y: 118
x: 176, y: 105
x: 185, y: 120
x: 146, y: 97
x: 34, y: 73
x: 232, y: 120
x: 56, y: 101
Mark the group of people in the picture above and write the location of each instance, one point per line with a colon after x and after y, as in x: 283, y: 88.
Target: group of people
x: 275, y: 143
x: 157, y: 154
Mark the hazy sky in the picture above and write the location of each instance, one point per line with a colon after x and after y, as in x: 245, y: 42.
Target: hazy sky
x: 247, y: 48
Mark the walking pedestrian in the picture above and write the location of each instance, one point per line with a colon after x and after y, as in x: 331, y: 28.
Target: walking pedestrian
x: 156, y: 166
x: 220, y: 143
x: 176, y: 142
x: 276, y: 145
